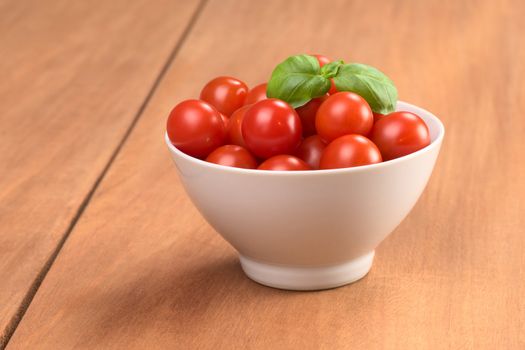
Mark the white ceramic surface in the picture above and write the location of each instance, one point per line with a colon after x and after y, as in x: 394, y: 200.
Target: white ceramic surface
x: 308, y: 230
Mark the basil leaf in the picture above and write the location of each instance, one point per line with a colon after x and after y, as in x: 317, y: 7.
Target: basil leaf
x: 331, y: 69
x: 370, y: 83
x: 297, y: 80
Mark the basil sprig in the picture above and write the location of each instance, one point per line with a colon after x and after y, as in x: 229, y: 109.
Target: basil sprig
x: 370, y: 83
x: 298, y: 79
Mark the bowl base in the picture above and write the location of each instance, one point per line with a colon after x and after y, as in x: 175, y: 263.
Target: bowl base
x: 307, y: 278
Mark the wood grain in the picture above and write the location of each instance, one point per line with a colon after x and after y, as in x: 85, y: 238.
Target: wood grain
x: 73, y: 76
x: 143, y: 270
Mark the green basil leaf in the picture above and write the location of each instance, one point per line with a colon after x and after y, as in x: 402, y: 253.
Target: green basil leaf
x: 331, y: 69
x: 297, y: 80
x: 370, y: 83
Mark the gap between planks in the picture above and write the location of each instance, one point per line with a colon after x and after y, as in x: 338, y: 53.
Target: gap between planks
x: 28, y: 298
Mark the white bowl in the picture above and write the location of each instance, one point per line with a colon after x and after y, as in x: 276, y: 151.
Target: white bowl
x: 308, y: 230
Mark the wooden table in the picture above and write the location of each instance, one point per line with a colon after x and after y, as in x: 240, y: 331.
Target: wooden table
x: 101, y: 248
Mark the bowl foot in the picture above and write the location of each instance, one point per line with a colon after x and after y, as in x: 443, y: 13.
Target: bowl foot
x: 307, y: 278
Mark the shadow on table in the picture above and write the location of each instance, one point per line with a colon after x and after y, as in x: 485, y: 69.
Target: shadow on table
x: 176, y: 298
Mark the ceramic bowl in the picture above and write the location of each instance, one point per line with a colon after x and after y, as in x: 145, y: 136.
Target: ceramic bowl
x: 308, y: 230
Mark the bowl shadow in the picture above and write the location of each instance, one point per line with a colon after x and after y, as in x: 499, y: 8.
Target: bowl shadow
x: 175, y: 298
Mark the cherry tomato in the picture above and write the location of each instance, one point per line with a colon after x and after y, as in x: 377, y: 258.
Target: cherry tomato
x: 271, y: 127
x: 225, y: 93
x: 225, y: 120
x: 256, y: 94
x: 310, y: 150
x: 234, y: 127
x: 377, y: 116
x: 284, y: 162
x: 349, y: 151
x: 307, y: 115
x: 234, y: 156
x: 400, y: 133
x: 322, y: 59
x: 341, y: 114
x: 333, y: 89
x: 196, y: 128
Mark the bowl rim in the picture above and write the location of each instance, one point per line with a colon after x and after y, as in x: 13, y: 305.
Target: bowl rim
x: 433, y: 144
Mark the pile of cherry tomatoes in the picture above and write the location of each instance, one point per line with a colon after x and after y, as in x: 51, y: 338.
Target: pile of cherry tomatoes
x: 235, y: 126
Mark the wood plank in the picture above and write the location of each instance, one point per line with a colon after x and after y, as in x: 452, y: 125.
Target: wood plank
x: 73, y: 76
x: 143, y: 270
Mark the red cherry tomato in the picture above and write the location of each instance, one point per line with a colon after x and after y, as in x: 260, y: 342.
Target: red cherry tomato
x: 256, y: 94
x: 225, y: 93
x: 378, y: 116
x: 284, y: 162
x: 225, y: 120
x: 333, y: 89
x: 271, y: 127
x: 234, y: 156
x: 341, y: 114
x: 349, y: 151
x: 196, y: 128
x: 307, y: 114
x: 234, y: 127
x: 322, y: 59
x: 400, y: 133
x: 310, y: 150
